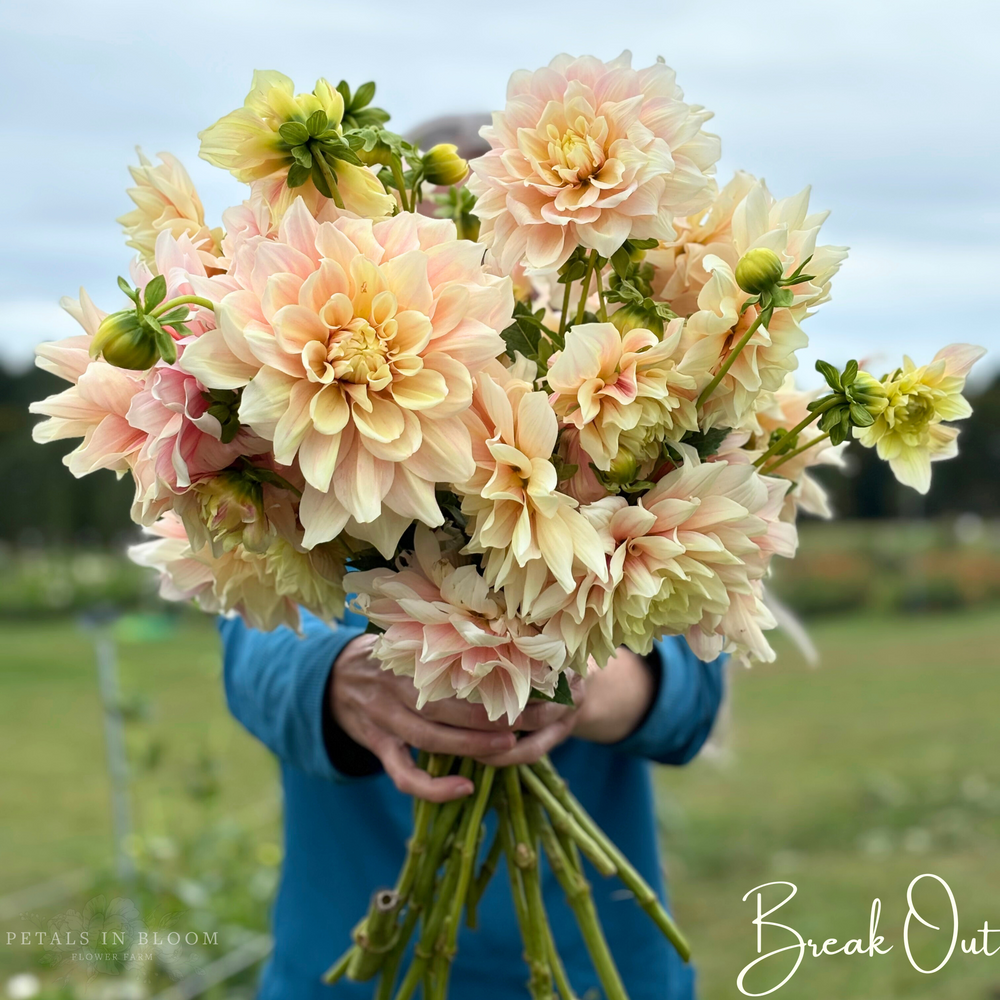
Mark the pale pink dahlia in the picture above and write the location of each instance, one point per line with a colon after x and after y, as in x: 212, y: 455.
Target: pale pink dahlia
x: 589, y: 153
x: 451, y: 633
x: 356, y: 343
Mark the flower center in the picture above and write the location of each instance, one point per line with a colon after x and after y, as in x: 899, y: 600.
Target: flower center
x: 358, y: 352
x: 575, y: 155
x: 916, y: 413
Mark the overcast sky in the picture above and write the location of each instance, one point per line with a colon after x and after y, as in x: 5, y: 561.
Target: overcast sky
x: 889, y: 109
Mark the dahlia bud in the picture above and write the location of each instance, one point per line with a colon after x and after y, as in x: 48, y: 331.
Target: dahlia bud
x: 230, y: 507
x: 443, y: 166
x: 869, y: 392
x: 125, y: 342
x: 758, y: 270
x: 635, y: 316
x: 624, y: 467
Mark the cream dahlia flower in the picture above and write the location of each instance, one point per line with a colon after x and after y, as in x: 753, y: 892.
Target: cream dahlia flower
x: 909, y: 433
x: 528, y: 531
x: 452, y: 634
x: 166, y: 200
x: 589, y: 153
x: 743, y: 216
x: 710, y: 336
x: 356, y: 343
x: 687, y: 558
x: 605, y: 383
x: 266, y: 589
x: 246, y: 142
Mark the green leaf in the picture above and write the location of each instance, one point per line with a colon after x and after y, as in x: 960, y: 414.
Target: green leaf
x: 621, y: 262
x: 294, y: 133
x: 319, y: 179
x: 345, y: 153
x: 156, y: 292
x: 782, y: 298
x: 850, y: 373
x: 860, y: 417
x: 650, y: 243
x: 345, y: 93
x: 563, y: 695
x: 176, y: 315
x: 363, y: 96
x: 302, y: 156
x: 166, y: 346
x: 298, y: 174
x: 317, y: 122
x: 522, y: 336
x: 831, y: 375
x: 707, y: 443
x: 131, y: 292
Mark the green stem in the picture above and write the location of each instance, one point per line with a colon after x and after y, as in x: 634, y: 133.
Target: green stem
x: 797, y: 451
x: 734, y: 354
x: 182, y: 300
x: 581, y: 901
x: 562, y: 820
x: 565, y: 310
x: 466, y: 849
x: 479, y: 883
x: 337, y: 970
x: 535, y: 958
x: 324, y: 169
x: 526, y: 858
x: 559, y: 976
x: 603, y: 314
x: 397, y: 175
x: 644, y: 894
x: 585, y: 287
x: 827, y: 404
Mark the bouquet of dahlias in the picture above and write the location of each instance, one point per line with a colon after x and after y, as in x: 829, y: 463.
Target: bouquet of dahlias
x: 536, y: 416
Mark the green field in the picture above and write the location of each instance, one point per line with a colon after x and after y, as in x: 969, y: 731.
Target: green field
x: 848, y: 780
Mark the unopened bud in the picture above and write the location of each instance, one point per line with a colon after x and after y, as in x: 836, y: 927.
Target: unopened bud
x: 124, y: 342
x: 634, y: 316
x: 758, y: 270
x: 624, y: 467
x: 443, y: 166
x: 869, y: 392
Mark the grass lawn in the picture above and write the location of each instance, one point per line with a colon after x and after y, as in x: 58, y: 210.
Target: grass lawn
x: 848, y: 780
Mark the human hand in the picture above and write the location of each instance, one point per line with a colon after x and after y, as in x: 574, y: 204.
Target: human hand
x: 378, y: 710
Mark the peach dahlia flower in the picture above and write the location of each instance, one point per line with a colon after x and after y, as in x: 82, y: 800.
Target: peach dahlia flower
x: 528, y: 531
x: 745, y: 215
x: 605, y: 383
x: 451, y: 633
x: 589, y: 153
x: 356, y: 343
x: 166, y: 200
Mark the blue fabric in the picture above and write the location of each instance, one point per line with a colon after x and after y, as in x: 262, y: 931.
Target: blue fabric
x: 345, y: 837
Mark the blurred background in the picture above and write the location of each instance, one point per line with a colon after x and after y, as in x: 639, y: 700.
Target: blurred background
x: 132, y: 803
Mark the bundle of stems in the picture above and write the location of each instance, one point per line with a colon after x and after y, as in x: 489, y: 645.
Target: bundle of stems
x: 439, y: 884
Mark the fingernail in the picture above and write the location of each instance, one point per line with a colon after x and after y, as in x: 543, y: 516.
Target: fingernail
x: 467, y: 787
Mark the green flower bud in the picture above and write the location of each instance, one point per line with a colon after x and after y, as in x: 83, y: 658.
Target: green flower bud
x: 758, y: 270
x: 635, y: 316
x: 869, y: 392
x: 443, y: 166
x: 124, y: 342
x: 624, y: 468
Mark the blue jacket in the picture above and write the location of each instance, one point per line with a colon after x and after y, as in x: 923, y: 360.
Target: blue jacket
x: 345, y: 837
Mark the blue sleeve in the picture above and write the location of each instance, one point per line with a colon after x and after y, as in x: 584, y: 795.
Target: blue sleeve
x: 684, y: 710
x: 276, y: 682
